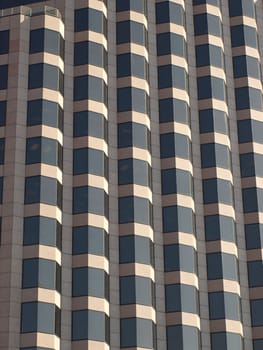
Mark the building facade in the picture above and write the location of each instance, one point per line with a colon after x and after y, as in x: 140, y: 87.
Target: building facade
x: 131, y: 175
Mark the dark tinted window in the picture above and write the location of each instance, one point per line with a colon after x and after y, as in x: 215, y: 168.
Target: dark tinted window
x: 242, y: 35
x: 133, y: 135
x: 130, y: 31
x: 88, y: 52
x: 45, y: 75
x: 89, y: 87
x: 46, y: 40
x: 4, y: 42
x: 135, y: 209
x: 90, y: 199
x: 3, y: 77
x: 90, y: 123
x: 179, y: 257
x: 89, y: 239
x: 177, y: 218
x: 132, y: 99
x: 171, y: 44
x: 207, y: 24
x: 135, y: 249
x: 172, y: 109
x: 90, y: 19
x: 183, y: 337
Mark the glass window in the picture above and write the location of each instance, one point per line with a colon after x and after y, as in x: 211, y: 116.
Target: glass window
x: 88, y: 52
x: 89, y: 87
x: 213, y: 120
x: 221, y: 266
x: 181, y: 298
x: 132, y: 99
x: 130, y: 31
x: 254, y: 236
x: 88, y: 160
x: 90, y: 19
x: 171, y: 44
x: 258, y: 344
x: 250, y: 130
x: 169, y: 12
x: 40, y: 317
x: 4, y: 42
x: 43, y: 189
x: 248, y: 97
x: 251, y: 164
x: 211, y: 2
x: 246, y: 66
x: 257, y: 312
x: 137, y: 332
x: 90, y: 199
x: 89, y: 240
x: 209, y: 55
x: 43, y: 75
x: 2, y: 151
x: 89, y: 324
x: 2, y: 113
x: 135, y: 209
x: 217, y: 190
x: 135, y: 249
x: 134, y: 171
x: 206, y: 23
x: 179, y: 257
x: 1, y: 196
x: 255, y: 273
x: 176, y: 181
x: 42, y: 230
x: 178, y: 219
x: 241, y: 8
x: 133, y: 135
x: 227, y: 340
x: 182, y: 337
x: 174, y: 145
x: 44, y: 112
x: 90, y: 281
x: 215, y: 155
x: 136, y: 290
x: 224, y: 305
x: 173, y: 110
x: 3, y: 76
x: 43, y: 150
x: 130, y: 64
x: 41, y: 273
x: 172, y: 76
x: 219, y: 227
x: 87, y: 123
x: 131, y: 5
x: 252, y: 199
x: 211, y: 87
x: 44, y: 39
x: 243, y: 35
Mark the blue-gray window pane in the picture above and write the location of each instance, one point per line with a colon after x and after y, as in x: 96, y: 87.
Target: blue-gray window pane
x: 89, y: 239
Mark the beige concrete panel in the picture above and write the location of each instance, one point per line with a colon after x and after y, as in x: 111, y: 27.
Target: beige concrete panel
x: 256, y: 293
x: 255, y: 254
x: 91, y: 180
x: 136, y: 310
x: 180, y: 2
x: 4, y: 59
x: 95, y: 4
x: 48, y: 22
x: 171, y: 27
x: 91, y: 219
x: 45, y: 131
x: 45, y: 57
x: 90, y: 260
x: 131, y: 16
x: 211, y: 70
x: 223, y: 246
x: 40, y: 339
x: 250, y: 182
x: 219, y: 208
x: 207, y: 8
x: 46, y: 94
x: 43, y: 210
x: 92, y: 142
x: 209, y: 39
x: 178, y: 199
x: 179, y: 128
x: 132, y: 48
x: 136, y: 269
x: 89, y: 344
x: 90, y: 303
x: 183, y: 277
x: 180, y: 163
x: 3, y: 95
x: 245, y: 50
x: 180, y: 94
x: 134, y: 152
x: 181, y: 238
x: 183, y: 318
x: 257, y: 332
x: 224, y: 285
x: 92, y: 106
x: 172, y: 59
x: 42, y: 251
x: 137, y: 229
x: 44, y: 170
x: 221, y: 173
x: 134, y: 116
x: 133, y: 82
x: 213, y: 103
x: 216, y: 138
x: 88, y: 35
x: 251, y: 218
x: 135, y: 190
x: 248, y: 81
x: 88, y: 69
x: 4, y: 23
x: 41, y: 295
x: 226, y: 325
x: 249, y: 113
x: 243, y: 20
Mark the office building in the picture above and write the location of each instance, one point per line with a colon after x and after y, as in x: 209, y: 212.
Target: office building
x: 131, y: 175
